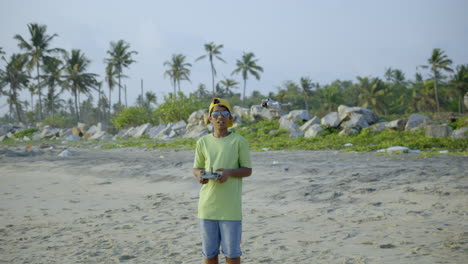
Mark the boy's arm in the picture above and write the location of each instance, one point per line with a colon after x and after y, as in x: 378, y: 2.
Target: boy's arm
x: 238, y: 173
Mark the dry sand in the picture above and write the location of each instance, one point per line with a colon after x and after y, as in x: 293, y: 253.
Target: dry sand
x: 139, y: 206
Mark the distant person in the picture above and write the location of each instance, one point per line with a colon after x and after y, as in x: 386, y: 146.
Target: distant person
x: 220, y: 205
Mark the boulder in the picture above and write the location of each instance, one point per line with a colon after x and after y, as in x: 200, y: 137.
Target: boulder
x: 291, y: 126
x: 3, y: 137
x: 76, y: 131
x: 314, y: 131
x: 398, y: 125
x: 345, y: 113
x: 154, y: 131
x: 331, y: 120
x: 4, y: 129
x: 72, y: 137
x: 141, y: 130
x: 65, y: 132
x: 299, y: 115
x: 378, y: 127
x: 196, y: 132
x: 49, y: 132
x: 460, y: 133
x: 100, y: 135
x: 198, y: 117
x: 355, y: 120
x: 242, y: 112
x: 348, y: 131
x: 258, y: 113
x: 416, y: 121
x: 82, y: 128
x: 306, y: 125
x: 443, y: 130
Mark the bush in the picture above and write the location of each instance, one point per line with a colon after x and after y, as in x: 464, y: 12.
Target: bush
x: 59, y: 121
x: 180, y: 108
x: 133, y: 116
x: 28, y: 132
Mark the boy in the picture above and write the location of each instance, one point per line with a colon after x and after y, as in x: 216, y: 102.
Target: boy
x: 219, y: 207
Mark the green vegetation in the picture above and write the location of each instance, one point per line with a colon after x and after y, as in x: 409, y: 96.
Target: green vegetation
x: 133, y: 116
x: 59, y: 121
x: 28, y: 132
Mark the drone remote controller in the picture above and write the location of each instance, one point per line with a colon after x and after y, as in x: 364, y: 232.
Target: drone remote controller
x: 210, y: 175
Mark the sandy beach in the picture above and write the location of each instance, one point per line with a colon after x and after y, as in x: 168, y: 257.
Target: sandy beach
x: 139, y: 206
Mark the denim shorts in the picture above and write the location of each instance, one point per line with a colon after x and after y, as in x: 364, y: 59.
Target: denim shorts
x: 226, y: 234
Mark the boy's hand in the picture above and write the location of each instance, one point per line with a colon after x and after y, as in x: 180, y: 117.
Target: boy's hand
x: 200, y: 180
x: 224, y: 175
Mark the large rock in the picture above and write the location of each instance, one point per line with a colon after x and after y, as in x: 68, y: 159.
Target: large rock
x: 348, y: 131
x: 141, y: 130
x: 82, y: 127
x: 345, y: 113
x: 198, y: 117
x: 100, y: 135
x: 196, y: 132
x: 416, y: 121
x: 378, y: 127
x: 4, y: 129
x: 50, y: 132
x: 299, y: 115
x: 308, y: 124
x: 443, y: 130
x: 460, y: 133
x: 154, y: 131
x: 314, y: 131
x: 258, y: 113
x: 398, y: 125
x: 291, y: 126
x: 242, y: 111
x: 355, y: 120
x: 331, y: 120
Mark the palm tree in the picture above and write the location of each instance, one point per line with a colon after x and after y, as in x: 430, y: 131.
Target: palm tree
x: 178, y: 70
x: 53, y: 77
x: 460, y: 83
x: 147, y: 100
x: 111, y: 73
x: 17, y: 78
x: 229, y: 84
x: 120, y: 58
x: 77, y: 80
x: 247, y: 65
x: 307, y: 86
x: 53, y: 102
x: 438, y: 62
x: 372, y: 93
x: 212, y: 51
x: 37, y: 51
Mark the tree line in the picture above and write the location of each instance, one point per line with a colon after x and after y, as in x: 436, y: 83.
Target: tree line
x: 47, y: 72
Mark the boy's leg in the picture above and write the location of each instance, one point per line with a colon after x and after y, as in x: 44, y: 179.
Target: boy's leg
x: 231, y: 233
x: 211, y: 238
x: 212, y: 260
x: 233, y: 260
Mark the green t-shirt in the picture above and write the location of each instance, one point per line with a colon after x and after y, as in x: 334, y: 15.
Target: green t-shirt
x: 221, y: 201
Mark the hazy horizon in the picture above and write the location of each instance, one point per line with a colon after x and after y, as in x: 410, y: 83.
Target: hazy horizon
x: 325, y: 41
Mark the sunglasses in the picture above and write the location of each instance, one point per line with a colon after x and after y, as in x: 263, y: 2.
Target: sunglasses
x: 224, y: 113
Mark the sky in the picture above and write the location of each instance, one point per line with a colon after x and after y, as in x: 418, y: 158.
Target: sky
x: 322, y: 40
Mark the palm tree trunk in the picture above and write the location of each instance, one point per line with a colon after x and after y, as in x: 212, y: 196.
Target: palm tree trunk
x: 110, y: 100
x: 120, y: 102
x: 39, y: 91
x: 77, y: 111
x: 125, y: 95
x: 212, y: 78
x: 15, y: 101
x: 436, y: 94
x: 243, y: 97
